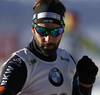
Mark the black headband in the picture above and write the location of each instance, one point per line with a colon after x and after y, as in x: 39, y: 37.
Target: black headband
x: 49, y: 13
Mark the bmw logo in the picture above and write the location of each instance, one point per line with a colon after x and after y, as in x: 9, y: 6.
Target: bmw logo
x: 55, y: 77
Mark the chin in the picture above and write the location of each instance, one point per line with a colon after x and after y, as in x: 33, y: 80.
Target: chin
x: 49, y: 51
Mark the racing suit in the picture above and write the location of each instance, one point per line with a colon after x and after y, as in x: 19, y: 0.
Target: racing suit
x: 29, y: 72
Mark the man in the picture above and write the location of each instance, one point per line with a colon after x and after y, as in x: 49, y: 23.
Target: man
x: 42, y: 68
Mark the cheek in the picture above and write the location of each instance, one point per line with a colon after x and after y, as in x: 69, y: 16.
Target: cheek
x: 40, y: 39
x: 57, y: 39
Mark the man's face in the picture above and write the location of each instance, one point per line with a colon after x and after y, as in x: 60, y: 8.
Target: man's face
x: 47, y: 44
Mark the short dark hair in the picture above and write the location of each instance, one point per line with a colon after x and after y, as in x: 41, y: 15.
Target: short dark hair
x: 39, y: 2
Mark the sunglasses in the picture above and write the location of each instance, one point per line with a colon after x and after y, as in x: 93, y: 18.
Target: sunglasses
x: 45, y: 31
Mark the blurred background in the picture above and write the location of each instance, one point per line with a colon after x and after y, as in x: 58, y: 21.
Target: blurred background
x: 81, y: 37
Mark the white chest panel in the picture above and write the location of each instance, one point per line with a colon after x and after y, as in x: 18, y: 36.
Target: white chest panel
x: 47, y: 78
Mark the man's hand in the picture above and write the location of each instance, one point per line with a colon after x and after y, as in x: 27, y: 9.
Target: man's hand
x: 87, y: 71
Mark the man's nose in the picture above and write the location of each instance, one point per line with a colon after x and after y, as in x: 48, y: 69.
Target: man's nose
x: 49, y: 38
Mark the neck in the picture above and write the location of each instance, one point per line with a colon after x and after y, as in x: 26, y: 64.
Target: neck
x: 37, y: 52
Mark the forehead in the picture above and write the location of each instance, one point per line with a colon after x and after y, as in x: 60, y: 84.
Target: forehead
x: 49, y: 25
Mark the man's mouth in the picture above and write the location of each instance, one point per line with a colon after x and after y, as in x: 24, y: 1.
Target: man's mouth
x: 48, y: 46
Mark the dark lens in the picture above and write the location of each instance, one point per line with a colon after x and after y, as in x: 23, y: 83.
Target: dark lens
x: 56, y: 32
x: 42, y: 31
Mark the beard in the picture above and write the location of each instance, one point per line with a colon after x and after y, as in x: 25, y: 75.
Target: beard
x: 47, y: 52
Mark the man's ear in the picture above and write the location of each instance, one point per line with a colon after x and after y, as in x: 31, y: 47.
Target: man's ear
x: 33, y: 30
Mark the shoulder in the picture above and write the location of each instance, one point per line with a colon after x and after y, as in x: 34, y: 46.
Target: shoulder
x: 67, y: 59
x: 23, y: 51
x: 63, y: 53
x: 12, y: 73
x: 23, y: 54
x: 15, y: 61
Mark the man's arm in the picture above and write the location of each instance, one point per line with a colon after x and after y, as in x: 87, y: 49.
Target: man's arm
x: 80, y: 89
x: 87, y: 71
x: 12, y: 76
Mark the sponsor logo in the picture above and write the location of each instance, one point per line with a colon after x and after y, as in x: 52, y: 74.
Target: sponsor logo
x: 6, y: 75
x: 55, y: 77
x: 48, y: 21
x: 16, y: 61
x: 58, y: 17
x: 64, y: 59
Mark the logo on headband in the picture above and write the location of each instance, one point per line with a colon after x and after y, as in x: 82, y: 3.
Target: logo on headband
x: 48, y: 21
x: 58, y: 17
